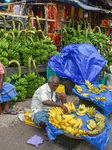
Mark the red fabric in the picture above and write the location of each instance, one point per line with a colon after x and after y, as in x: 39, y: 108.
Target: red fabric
x: 52, y: 11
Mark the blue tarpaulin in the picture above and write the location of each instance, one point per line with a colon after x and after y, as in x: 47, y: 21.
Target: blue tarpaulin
x: 78, y: 63
x: 80, y: 4
x: 106, y: 106
x: 99, y: 141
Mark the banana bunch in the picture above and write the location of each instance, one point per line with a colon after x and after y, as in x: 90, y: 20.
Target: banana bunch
x: 91, y: 124
x: 102, y: 88
x: 88, y: 84
x: 15, y: 77
x: 22, y: 82
x: 71, y: 107
x: 99, y: 117
x: 82, y: 110
x: 84, y: 94
x: 91, y: 111
x: 78, y: 89
x: 100, y: 126
x: 91, y: 88
x: 55, y: 110
x: 103, y: 99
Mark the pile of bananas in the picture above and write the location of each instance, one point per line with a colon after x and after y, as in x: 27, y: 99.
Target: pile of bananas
x: 100, y: 125
x: 78, y: 89
x: 91, y: 111
x: 102, y: 88
x: 92, y: 89
x: 84, y: 94
x: 82, y: 110
x: 71, y: 124
x: 66, y: 122
x: 103, y: 99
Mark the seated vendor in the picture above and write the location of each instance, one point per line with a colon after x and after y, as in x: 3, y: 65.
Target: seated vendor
x: 7, y: 93
x: 44, y: 98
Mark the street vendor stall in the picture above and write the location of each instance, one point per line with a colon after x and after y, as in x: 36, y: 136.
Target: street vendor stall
x: 79, y: 63
x: 78, y: 127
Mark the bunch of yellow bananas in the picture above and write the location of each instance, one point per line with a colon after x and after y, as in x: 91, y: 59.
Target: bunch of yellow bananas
x: 91, y: 124
x: 78, y: 89
x: 71, y: 107
x: 102, y: 87
x: 103, y: 99
x: 82, y: 110
x: 91, y: 88
x: 84, y: 94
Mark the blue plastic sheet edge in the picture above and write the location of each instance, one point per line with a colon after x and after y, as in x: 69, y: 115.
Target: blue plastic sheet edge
x: 106, y: 106
x: 99, y: 141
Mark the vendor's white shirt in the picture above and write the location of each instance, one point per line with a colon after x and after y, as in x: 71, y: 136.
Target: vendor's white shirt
x: 41, y: 94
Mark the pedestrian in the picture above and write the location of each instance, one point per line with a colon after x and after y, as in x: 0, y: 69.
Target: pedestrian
x: 7, y: 93
x: 44, y: 98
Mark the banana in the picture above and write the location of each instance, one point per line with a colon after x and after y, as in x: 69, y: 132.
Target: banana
x: 80, y: 126
x: 77, y: 123
x: 73, y: 107
x: 89, y: 127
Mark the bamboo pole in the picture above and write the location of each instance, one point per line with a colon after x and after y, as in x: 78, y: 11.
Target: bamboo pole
x: 13, y: 15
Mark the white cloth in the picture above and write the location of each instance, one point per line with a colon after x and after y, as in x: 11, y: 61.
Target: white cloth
x: 41, y: 94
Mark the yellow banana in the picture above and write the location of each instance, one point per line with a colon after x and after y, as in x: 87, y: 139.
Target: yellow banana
x: 80, y: 126
x: 77, y: 123
x: 89, y: 127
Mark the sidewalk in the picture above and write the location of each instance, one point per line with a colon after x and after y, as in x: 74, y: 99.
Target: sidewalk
x: 15, y: 133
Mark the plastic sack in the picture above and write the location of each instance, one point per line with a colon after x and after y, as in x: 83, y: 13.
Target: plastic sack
x: 99, y: 141
x: 106, y: 105
x: 77, y: 63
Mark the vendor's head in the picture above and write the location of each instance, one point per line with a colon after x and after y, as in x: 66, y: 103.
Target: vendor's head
x: 53, y: 83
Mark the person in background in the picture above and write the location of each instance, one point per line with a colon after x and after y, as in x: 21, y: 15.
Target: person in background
x: 7, y: 93
x: 44, y: 98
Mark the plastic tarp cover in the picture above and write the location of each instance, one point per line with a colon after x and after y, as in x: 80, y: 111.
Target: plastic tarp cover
x: 77, y: 63
x: 106, y: 105
x: 99, y: 141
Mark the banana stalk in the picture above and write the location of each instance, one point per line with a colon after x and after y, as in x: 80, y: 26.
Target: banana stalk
x: 4, y: 22
x: 18, y: 64
x: 38, y: 23
x: 97, y: 27
x: 19, y: 21
x: 35, y: 68
x: 2, y: 34
x: 13, y: 37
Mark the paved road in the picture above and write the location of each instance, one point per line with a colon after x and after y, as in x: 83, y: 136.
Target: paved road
x: 14, y: 133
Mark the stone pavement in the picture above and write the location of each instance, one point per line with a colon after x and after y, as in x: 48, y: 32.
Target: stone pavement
x: 14, y: 133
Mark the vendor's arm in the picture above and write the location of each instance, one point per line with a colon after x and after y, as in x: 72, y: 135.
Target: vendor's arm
x: 1, y: 82
x: 51, y: 103
x: 61, y: 96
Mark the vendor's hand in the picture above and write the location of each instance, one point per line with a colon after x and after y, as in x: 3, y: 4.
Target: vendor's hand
x: 64, y: 108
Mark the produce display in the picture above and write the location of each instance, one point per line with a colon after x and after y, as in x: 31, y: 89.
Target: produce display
x: 92, y: 89
x: 22, y: 44
x: 25, y: 85
x: 70, y: 122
